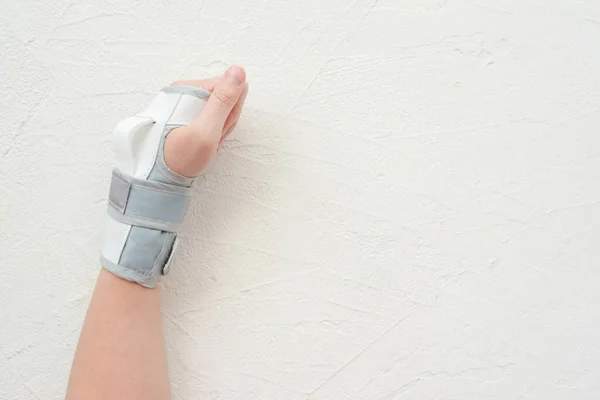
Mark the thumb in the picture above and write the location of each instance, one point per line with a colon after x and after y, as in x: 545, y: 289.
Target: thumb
x: 225, y: 95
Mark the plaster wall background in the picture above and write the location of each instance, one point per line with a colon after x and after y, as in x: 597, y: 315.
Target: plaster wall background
x: 409, y: 210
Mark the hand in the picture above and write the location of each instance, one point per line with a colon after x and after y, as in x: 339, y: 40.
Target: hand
x: 189, y: 149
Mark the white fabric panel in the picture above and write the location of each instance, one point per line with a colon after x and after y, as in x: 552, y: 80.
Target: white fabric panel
x: 146, y: 150
x: 188, y: 108
x: 115, y: 236
x: 126, y: 137
x: 162, y: 106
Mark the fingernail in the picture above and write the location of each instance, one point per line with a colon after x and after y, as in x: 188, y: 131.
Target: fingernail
x: 235, y: 75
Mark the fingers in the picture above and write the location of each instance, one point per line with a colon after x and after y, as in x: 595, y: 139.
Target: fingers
x: 232, y: 120
x: 225, y: 94
x: 234, y: 115
x: 209, y: 84
x: 188, y: 149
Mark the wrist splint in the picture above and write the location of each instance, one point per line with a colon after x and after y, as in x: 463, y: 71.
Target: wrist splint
x: 147, y: 200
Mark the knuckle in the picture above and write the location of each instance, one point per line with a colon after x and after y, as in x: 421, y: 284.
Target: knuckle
x: 226, y: 96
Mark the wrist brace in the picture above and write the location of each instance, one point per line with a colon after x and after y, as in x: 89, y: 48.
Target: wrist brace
x: 147, y: 200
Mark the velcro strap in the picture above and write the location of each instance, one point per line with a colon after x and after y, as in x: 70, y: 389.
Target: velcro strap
x: 148, y: 204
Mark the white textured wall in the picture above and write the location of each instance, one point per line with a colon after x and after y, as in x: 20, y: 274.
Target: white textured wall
x: 409, y: 210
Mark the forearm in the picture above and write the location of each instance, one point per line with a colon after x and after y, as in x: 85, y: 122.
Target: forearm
x: 121, y: 352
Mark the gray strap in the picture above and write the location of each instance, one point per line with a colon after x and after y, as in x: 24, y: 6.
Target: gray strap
x: 156, y: 260
x: 148, y: 204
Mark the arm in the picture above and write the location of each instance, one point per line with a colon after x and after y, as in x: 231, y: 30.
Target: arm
x: 121, y: 351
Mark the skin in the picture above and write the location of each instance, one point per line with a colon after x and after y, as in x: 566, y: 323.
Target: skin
x: 121, y: 352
